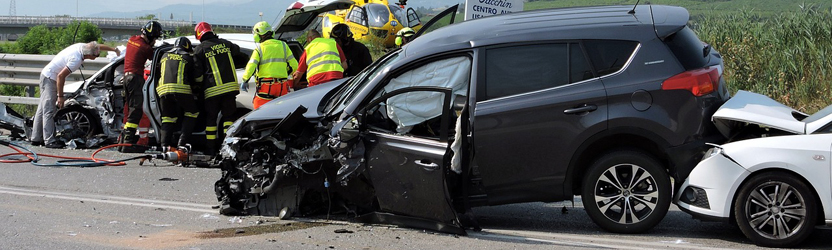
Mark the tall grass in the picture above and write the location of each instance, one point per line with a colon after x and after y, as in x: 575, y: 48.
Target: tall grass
x: 786, y: 56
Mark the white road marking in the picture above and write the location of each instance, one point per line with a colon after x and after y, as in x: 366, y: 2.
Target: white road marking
x: 202, y: 208
x: 585, y: 241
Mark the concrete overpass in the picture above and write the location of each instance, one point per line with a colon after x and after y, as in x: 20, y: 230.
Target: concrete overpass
x: 12, y: 27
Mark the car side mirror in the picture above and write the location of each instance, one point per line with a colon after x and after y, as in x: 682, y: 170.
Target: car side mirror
x: 346, y: 129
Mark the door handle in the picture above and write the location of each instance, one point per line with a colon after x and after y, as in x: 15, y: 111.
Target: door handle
x: 580, y: 110
x: 427, y: 165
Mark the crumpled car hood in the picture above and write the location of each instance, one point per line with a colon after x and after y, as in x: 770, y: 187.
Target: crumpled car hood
x: 311, y: 97
x: 757, y: 109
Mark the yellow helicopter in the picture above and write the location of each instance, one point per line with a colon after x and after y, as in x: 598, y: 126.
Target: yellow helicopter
x: 373, y: 21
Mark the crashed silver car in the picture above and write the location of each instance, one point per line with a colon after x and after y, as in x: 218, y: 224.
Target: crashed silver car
x: 94, y: 109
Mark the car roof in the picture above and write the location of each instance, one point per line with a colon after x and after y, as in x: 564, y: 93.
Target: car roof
x: 600, y: 22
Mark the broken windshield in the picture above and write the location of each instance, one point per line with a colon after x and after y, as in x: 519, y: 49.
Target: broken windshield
x: 348, y: 91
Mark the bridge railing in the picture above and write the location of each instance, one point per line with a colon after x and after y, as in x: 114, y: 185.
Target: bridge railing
x: 62, y: 21
x: 24, y: 70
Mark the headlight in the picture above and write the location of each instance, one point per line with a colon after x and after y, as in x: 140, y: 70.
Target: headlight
x: 232, y: 130
x: 227, y: 151
x: 712, y: 151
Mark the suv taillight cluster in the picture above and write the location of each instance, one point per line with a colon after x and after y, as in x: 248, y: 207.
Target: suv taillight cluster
x: 699, y: 81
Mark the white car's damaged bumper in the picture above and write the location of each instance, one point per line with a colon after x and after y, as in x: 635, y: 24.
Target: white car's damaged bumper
x: 708, y: 191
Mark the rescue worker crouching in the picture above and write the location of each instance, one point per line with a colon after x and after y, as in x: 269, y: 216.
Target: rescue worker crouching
x: 215, y: 61
x: 273, y: 63
x: 176, y: 94
x: 139, y: 50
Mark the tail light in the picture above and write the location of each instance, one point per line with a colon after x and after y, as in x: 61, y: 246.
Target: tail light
x: 699, y: 81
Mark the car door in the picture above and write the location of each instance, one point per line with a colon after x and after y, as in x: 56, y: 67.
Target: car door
x: 358, y: 21
x: 534, y: 101
x: 444, y: 18
x: 412, y: 18
x: 408, y: 172
x: 407, y: 127
x: 151, y: 102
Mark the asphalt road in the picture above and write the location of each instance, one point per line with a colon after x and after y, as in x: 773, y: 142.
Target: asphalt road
x: 168, y: 207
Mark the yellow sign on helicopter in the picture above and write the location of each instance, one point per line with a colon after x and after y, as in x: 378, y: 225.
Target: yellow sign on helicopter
x: 373, y: 21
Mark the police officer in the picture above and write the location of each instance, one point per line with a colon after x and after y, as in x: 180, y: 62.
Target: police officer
x: 273, y: 61
x: 139, y: 50
x: 175, y: 93
x: 216, y: 61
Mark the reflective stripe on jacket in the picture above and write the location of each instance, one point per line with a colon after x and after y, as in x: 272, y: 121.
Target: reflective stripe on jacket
x: 215, y: 59
x: 322, y: 56
x: 271, y: 59
x: 177, y: 74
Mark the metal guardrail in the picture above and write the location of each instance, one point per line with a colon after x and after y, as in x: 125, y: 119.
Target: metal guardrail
x: 24, y: 70
x: 63, y: 21
x: 104, y: 22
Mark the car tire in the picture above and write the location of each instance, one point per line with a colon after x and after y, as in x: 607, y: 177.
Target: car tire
x: 775, y: 223
x: 629, y: 204
x: 77, y: 117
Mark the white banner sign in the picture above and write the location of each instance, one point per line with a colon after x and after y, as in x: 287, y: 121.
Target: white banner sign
x: 482, y: 8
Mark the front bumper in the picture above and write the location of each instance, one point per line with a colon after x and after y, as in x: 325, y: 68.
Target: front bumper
x: 718, y: 177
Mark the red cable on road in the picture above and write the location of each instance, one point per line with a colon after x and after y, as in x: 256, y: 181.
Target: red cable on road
x: 91, y: 158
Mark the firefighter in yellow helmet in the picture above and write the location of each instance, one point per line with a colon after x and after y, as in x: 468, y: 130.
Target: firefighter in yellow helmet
x: 271, y: 63
x: 175, y: 94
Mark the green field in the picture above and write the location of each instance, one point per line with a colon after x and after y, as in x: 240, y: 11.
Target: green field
x: 696, y: 7
x: 772, y: 47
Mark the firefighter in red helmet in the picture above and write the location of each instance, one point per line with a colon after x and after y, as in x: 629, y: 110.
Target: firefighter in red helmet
x: 216, y: 60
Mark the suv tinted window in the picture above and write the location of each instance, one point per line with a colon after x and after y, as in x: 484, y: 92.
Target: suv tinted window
x: 519, y: 69
x: 688, y: 49
x: 609, y: 56
x: 579, y: 69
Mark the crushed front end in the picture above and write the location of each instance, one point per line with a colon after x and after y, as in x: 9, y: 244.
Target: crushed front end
x: 297, y: 166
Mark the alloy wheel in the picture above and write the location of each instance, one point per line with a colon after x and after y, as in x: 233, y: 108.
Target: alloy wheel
x: 775, y: 210
x: 626, y: 193
x: 77, y: 120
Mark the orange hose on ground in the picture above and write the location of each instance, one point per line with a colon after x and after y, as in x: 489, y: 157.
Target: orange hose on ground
x: 92, y: 157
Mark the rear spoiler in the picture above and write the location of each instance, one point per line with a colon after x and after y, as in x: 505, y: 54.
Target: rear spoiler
x: 667, y: 20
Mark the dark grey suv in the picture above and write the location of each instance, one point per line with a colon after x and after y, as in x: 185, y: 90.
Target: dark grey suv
x: 532, y: 106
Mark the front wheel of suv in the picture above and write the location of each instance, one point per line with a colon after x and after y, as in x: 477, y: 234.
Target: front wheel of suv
x: 626, y: 191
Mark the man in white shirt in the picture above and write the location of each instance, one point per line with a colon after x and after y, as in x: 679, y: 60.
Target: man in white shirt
x: 52, y: 80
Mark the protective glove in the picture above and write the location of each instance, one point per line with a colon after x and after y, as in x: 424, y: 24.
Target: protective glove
x: 244, y: 86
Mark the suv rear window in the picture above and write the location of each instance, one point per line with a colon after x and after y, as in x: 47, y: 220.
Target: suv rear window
x: 520, y: 69
x: 526, y: 68
x: 688, y: 49
x: 609, y: 56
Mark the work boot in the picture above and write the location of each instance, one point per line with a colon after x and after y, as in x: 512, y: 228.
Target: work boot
x: 128, y: 136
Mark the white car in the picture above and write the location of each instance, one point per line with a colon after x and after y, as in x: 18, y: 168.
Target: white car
x: 773, y: 180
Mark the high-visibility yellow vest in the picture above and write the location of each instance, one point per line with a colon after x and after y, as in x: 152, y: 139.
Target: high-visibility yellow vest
x: 271, y: 59
x: 322, y: 56
x: 173, y: 75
